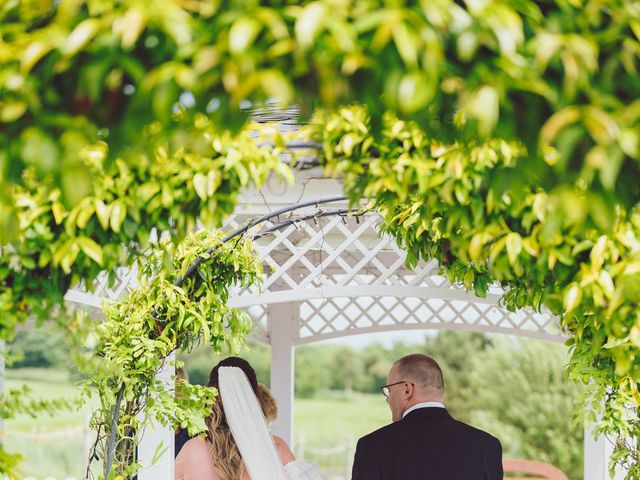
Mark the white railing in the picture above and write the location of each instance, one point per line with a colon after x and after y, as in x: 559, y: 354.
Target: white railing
x: 346, y: 449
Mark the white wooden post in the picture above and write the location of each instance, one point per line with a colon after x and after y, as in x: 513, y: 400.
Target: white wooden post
x: 597, y: 454
x: 158, y: 438
x: 283, y: 321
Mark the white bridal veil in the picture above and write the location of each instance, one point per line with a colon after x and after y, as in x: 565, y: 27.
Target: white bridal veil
x: 248, y: 426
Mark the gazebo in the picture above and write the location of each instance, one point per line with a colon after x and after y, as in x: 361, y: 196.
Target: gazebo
x: 328, y: 273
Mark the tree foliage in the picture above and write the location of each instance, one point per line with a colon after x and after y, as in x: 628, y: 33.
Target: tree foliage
x: 557, y: 74
x: 442, y: 201
x: 500, y: 137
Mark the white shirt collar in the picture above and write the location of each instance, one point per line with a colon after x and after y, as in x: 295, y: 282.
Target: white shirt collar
x: 422, y: 405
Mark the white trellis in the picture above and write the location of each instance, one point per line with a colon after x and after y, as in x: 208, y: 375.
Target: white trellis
x: 333, y: 276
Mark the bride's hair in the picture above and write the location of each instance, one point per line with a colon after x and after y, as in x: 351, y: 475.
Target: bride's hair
x: 226, y: 456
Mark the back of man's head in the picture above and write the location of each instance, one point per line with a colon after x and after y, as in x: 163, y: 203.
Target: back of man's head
x: 425, y: 373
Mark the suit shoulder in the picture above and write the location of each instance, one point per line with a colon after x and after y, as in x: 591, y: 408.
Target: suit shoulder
x: 481, y: 435
x: 381, y: 434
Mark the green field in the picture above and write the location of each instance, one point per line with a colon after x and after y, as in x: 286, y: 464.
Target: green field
x: 322, y: 425
x: 54, y: 445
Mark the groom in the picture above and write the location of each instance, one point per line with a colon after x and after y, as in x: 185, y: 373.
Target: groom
x: 424, y: 442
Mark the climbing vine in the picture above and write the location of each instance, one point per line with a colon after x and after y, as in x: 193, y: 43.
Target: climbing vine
x: 162, y: 315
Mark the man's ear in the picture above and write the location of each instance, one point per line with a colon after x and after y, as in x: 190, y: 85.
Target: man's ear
x: 409, y: 389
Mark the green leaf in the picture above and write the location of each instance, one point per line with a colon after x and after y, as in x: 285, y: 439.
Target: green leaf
x: 558, y: 122
x: 309, y: 23
x: 69, y: 256
x: 91, y: 249
x: 484, y: 106
x: 80, y: 36
x: 242, y: 34
x: 514, y: 246
x: 406, y: 43
x: 12, y: 111
x: 33, y: 53
x: 477, y: 244
x: 158, y: 452
x: 572, y: 298
x: 133, y: 24
x: 468, y: 279
x: 103, y: 212
x: 276, y: 85
x: 597, y: 252
x: 118, y: 214
x: 58, y: 212
x: 415, y: 91
x: 39, y: 149
x: 85, y: 212
x: 200, y: 185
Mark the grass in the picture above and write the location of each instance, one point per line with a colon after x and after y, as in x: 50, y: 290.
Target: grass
x: 46, y: 384
x: 52, y: 445
x: 332, y: 419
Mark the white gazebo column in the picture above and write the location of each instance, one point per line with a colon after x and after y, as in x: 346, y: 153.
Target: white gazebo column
x: 283, y: 323
x: 597, y: 454
x: 158, y: 441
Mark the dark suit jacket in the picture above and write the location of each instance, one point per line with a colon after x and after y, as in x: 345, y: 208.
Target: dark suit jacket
x: 428, y: 444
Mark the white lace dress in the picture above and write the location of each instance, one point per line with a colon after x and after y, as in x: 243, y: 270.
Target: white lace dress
x: 301, y: 470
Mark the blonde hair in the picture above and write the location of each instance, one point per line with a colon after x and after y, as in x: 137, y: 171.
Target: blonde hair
x: 267, y: 402
x: 181, y: 374
x: 224, y: 451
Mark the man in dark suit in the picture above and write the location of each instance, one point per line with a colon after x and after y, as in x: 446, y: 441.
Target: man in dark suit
x: 424, y: 442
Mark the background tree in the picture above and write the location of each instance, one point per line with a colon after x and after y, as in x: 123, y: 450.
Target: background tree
x: 201, y: 360
x: 520, y: 392
x: 457, y: 354
x: 312, y: 370
x: 40, y: 348
x: 346, y: 370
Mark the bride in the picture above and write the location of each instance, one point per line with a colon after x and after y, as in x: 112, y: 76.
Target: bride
x: 238, y: 445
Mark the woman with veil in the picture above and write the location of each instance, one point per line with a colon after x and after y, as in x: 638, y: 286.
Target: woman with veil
x: 238, y: 445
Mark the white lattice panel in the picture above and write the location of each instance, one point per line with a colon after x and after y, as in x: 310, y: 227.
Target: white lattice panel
x: 341, y: 316
x: 105, y: 289
x: 348, y: 280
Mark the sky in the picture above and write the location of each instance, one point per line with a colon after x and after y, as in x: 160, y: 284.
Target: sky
x: 386, y: 338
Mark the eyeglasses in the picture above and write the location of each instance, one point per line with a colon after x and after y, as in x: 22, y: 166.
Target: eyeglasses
x: 386, y: 391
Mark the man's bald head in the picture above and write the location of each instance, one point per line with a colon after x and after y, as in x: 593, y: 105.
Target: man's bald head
x: 424, y: 372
